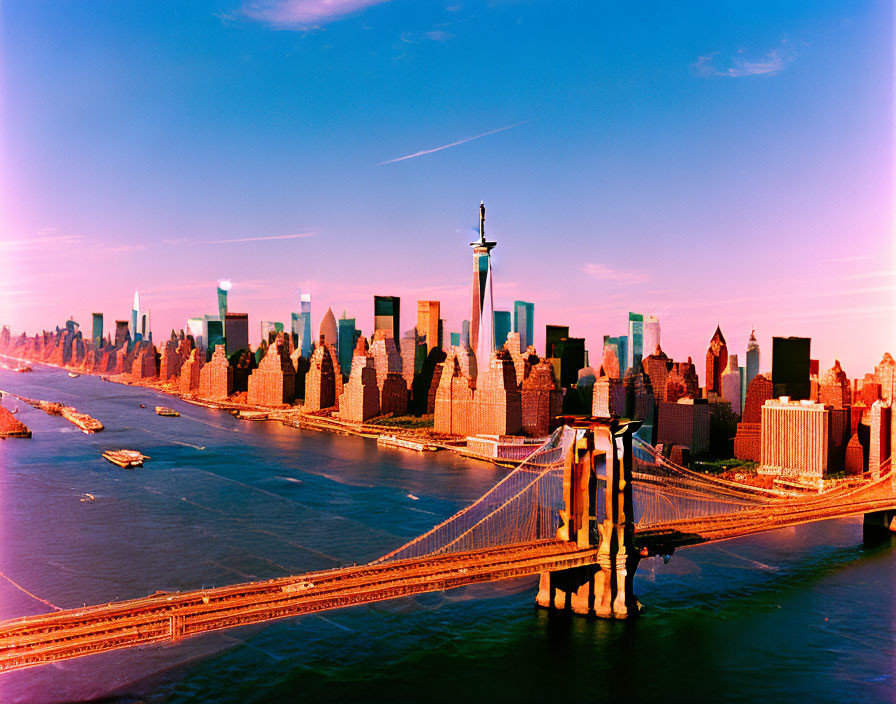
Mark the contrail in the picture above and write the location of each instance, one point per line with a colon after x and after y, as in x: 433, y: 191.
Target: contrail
x: 259, y: 239
x: 453, y: 144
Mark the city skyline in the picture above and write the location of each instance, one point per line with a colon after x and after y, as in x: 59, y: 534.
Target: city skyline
x: 281, y: 151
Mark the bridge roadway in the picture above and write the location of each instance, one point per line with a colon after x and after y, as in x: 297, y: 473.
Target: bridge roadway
x: 34, y: 640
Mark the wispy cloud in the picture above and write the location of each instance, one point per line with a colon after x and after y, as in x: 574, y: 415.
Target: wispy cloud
x: 740, y: 65
x: 298, y: 235
x: 453, y: 144
x: 303, y: 14
x: 44, y: 239
x: 234, y: 240
x: 603, y: 273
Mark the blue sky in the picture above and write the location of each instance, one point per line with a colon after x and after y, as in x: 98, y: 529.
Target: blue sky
x: 708, y: 162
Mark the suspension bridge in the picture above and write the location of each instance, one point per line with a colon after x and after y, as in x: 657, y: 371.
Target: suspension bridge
x: 581, y: 512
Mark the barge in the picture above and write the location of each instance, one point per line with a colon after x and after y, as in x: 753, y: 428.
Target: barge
x: 82, y: 421
x: 125, y: 458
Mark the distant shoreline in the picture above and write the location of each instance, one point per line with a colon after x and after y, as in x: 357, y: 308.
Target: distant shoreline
x: 295, y: 417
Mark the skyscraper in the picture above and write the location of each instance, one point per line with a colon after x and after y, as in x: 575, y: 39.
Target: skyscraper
x: 305, y: 324
x: 481, y: 268
x: 752, y: 357
x: 486, y: 338
x: 790, y: 367
x: 465, y: 333
x: 97, y: 331
x: 223, y: 288
x: 552, y: 335
x: 328, y: 329
x: 236, y: 332
x: 651, y: 335
x: 134, y: 312
x: 345, y: 347
x: 716, y: 361
x: 524, y: 322
x: 387, y: 316
x: 428, y: 324
x: 635, y: 340
x: 502, y: 327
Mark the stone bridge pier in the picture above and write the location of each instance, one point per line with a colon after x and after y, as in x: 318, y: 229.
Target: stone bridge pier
x: 601, y: 453
x: 879, y: 526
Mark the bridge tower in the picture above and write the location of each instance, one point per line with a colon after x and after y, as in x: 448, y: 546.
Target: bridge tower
x: 600, y: 455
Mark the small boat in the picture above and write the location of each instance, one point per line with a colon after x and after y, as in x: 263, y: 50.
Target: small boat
x: 22, y: 370
x: 142, y: 405
x: 125, y: 458
x: 164, y: 411
x: 74, y: 375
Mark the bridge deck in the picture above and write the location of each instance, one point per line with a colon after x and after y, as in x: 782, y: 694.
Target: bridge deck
x: 34, y: 640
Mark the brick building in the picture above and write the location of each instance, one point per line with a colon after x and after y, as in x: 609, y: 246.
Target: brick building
x: 685, y: 422
x: 169, y: 366
x: 360, y: 398
x: 608, y: 397
x: 833, y: 388
x: 189, y: 372
x: 885, y: 372
x: 216, y: 377
x: 144, y: 364
x: 496, y: 400
x: 639, y: 401
x: 657, y: 366
x: 320, y: 381
x: 273, y: 383
x: 855, y: 455
x: 880, y: 422
x: 454, y: 396
x: 389, y: 379
x: 748, y: 440
x: 540, y: 399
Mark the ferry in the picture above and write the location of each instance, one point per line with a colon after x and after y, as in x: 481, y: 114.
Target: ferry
x: 74, y: 375
x: 165, y: 411
x: 84, y: 422
x: 125, y: 458
x: 394, y: 441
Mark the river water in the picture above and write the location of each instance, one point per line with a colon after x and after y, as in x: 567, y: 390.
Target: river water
x: 800, y: 614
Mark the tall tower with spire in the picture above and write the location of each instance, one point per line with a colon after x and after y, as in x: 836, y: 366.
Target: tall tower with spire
x: 481, y: 285
x: 716, y: 361
x: 752, y: 357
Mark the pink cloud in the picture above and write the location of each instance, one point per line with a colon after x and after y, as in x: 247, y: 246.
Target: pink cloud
x: 601, y: 272
x: 303, y: 14
x: 772, y: 62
